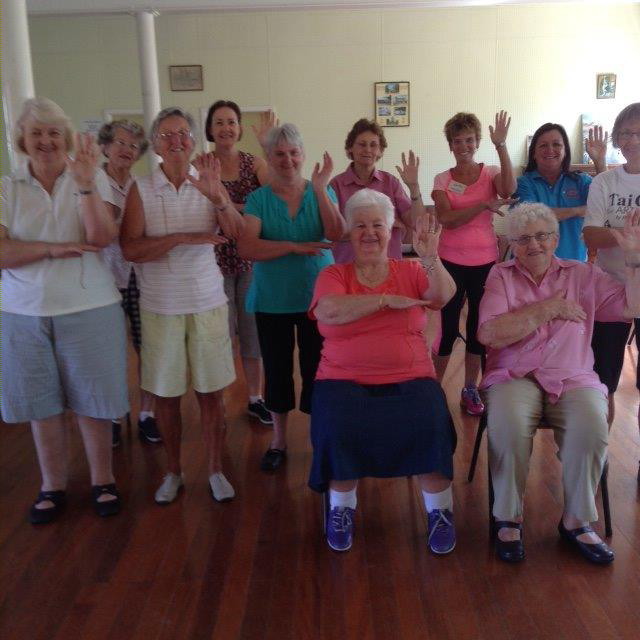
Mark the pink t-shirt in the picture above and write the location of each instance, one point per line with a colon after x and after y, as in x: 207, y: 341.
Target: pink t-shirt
x: 381, y: 348
x: 347, y: 183
x: 557, y: 354
x: 475, y: 242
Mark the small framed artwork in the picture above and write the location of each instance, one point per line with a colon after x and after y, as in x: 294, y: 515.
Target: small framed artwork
x: 186, y: 77
x: 605, y: 86
x: 391, y: 103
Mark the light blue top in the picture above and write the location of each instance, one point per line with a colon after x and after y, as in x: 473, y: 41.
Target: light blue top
x: 285, y: 284
x: 570, y: 190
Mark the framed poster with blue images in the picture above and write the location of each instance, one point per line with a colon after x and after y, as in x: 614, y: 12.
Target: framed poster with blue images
x: 391, y: 103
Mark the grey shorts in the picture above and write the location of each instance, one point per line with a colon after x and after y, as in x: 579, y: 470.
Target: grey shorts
x: 241, y: 322
x: 75, y: 360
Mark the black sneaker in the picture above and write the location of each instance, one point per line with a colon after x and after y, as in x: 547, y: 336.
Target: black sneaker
x: 115, y: 434
x: 148, y: 430
x: 258, y: 410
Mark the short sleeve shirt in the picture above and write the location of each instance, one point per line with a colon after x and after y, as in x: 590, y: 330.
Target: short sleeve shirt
x: 347, y: 183
x: 475, y: 242
x: 51, y: 287
x: 570, y: 190
x: 613, y: 196
x: 285, y: 284
x: 384, y: 347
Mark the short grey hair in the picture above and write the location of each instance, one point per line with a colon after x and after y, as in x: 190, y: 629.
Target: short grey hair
x: 523, y: 214
x: 107, y: 133
x: 366, y: 198
x: 167, y: 113
x: 45, y: 111
x: 285, y: 133
x: 629, y: 112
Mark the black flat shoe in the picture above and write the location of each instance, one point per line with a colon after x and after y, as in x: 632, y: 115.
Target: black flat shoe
x: 43, y: 516
x: 599, y: 552
x: 511, y: 550
x: 107, y: 507
x: 273, y: 459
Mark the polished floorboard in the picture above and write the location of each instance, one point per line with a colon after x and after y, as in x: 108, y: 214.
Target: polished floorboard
x: 258, y: 567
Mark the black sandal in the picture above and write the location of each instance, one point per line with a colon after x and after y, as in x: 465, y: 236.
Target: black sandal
x: 509, y: 550
x: 44, y: 516
x: 106, y: 507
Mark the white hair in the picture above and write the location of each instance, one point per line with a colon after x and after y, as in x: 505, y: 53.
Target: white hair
x: 45, y: 111
x: 523, y: 214
x: 169, y: 112
x: 366, y: 198
x: 287, y: 132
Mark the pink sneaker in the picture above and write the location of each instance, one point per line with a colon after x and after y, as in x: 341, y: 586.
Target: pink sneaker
x: 470, y: 400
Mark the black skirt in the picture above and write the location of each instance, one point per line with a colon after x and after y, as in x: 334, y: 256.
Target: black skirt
x: 381, y: 431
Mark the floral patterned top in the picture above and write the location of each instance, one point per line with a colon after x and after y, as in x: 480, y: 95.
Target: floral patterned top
x: 229, y: 261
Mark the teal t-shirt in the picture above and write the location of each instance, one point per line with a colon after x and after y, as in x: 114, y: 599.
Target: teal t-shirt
x: 285, y: 284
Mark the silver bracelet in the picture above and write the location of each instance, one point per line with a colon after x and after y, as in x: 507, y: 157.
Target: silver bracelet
x: 429, y: 267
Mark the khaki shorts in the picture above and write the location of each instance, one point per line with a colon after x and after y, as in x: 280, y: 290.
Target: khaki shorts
x: 178, y: 347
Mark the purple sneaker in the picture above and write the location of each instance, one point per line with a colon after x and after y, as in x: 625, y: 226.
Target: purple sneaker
x: 471, y: 401
x: 340, y: 528
x: 442, y: 532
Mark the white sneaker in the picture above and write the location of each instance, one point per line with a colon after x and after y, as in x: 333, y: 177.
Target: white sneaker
x: 221, y: 490
x: 169, y: 488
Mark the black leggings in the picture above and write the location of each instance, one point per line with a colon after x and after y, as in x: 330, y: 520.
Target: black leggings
x: 470, y: 282
x: 277, y: 336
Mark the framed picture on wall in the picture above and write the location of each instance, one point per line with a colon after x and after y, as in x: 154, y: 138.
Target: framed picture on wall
x: 391, y: 103
x: 605, y: 86
x: 186, y: 77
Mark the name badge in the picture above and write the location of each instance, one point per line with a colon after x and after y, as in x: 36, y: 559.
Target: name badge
x: 457, y: 187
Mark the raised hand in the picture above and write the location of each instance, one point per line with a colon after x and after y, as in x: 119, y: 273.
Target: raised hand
x: 494, y: 205
x: 83, y: 165
x: 321, y: 176
x: 208, y: 182
x: 409, y: 170
x: 402, y: 302
x: 69, y: 249
x: 629, y: 238
x: 268, y: 121
x: 499, y: 131
x: 309, y: 248
x: 427, y: 235
x: 596, y: 144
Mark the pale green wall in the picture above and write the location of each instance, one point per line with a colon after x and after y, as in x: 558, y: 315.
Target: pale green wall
x: 318, y: 67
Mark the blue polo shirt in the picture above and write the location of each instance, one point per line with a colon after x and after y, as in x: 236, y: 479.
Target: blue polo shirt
x: 570, y: 190
x: 285, y: 284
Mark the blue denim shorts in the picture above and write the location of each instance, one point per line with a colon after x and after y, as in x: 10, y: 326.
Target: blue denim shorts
x: 75, y: 360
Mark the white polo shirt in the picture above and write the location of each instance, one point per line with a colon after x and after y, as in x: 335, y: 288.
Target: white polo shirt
x: 51, y: 287
x: 187, y: 278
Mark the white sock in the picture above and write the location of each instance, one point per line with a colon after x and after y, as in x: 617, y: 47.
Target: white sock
x: 343, y: 498
x: 253, y: 399
x: 440, y: 500
x: 144, y: 415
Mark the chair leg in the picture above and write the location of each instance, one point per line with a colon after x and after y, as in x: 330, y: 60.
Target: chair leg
x: 482, y: 425
x: 325, y: 511
x: 491, y: 499
x: 129, y: 423
x: 604, y: 488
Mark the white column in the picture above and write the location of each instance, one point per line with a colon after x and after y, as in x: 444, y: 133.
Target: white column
x: 17, y: 73
x: 148, y: 72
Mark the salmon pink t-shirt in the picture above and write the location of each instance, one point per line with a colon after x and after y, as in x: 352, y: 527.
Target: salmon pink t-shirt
x: 474, y: 243
x: 384, y: 347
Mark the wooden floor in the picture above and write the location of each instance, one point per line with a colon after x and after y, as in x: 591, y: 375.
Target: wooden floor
x: 258, y: 567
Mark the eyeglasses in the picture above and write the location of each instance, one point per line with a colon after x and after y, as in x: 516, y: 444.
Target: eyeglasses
x: 122, y: 144
x: 540, y: 237
x: 183, y: 134
x: 627, y: 135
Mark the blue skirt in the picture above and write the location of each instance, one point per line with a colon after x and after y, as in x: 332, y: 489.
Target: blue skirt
x: 380, y: 431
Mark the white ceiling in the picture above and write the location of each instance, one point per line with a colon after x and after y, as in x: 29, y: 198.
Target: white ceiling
x: 42, y: 7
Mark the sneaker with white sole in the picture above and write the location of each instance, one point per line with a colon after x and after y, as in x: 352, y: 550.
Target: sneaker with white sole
x: 168, y: 490
x: 259, y: 410
x: 442, y: 531
x: 340, y: 528
x: 471, y: 401
x: 221, y: 489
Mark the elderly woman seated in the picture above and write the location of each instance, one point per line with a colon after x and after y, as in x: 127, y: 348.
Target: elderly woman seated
x: 377, y: 408
x: 536, y: 318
